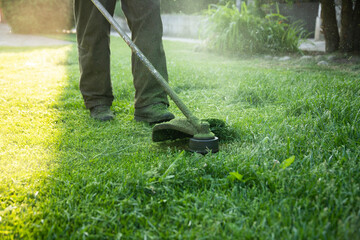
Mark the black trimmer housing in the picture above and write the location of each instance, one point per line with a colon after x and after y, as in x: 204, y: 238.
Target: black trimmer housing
x: 200, y: 142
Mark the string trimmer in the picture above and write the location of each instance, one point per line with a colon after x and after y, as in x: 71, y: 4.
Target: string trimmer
x: 202, y: 139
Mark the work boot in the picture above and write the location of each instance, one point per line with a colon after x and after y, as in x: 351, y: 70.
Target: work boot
x: 155, y: 113
x: 101, y: 113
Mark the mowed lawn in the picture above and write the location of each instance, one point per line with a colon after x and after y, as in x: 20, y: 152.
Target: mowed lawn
x: 289, y: 170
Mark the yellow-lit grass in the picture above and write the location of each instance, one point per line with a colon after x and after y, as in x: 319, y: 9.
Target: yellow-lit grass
x: 31, y: 81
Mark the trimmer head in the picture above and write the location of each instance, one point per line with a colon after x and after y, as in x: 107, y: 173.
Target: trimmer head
x: 182, y: 128
x: 177, y: 128
x: 204, y: 146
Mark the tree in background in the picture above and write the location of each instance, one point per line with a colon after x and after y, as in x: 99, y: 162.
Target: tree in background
x: 350, y: 26
x: 348, y: 40
x: 329, y: 26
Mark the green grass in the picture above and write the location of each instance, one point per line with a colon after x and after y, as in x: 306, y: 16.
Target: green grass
x: 291, y: 171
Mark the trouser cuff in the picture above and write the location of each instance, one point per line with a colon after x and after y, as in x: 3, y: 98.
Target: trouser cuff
x: 94, y: 103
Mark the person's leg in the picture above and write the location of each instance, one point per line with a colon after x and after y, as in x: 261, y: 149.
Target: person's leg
x: 93, y: 36
x: 143, y: 17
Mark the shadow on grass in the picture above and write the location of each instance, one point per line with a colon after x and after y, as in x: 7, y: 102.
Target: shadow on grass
x: 111, y: 181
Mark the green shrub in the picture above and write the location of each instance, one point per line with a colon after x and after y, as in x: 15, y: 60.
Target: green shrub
x: 226, y: 29
x: 39, y: 16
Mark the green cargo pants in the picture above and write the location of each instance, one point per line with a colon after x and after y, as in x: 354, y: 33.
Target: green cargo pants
x: 93, y: 37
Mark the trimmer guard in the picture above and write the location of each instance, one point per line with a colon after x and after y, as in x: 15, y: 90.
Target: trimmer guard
x: 175, y: 129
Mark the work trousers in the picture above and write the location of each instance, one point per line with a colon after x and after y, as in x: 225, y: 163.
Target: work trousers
x: 93, y: 37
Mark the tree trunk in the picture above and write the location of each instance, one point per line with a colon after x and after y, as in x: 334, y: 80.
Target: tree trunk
x: 347, y: 26
x: 356, y: 36
x: 330, y: 28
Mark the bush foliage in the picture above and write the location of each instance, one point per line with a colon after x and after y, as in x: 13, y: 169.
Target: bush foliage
x: 38, y: 16
x: 227, y: 29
